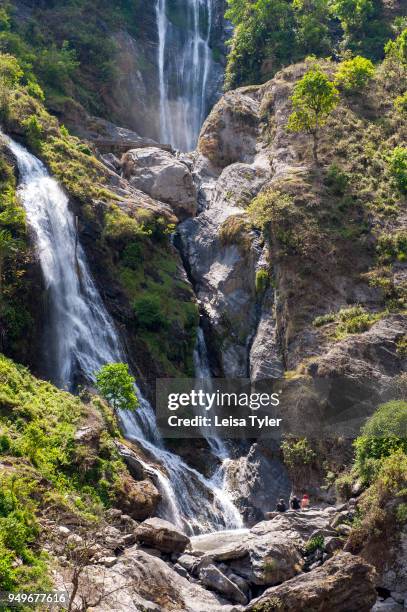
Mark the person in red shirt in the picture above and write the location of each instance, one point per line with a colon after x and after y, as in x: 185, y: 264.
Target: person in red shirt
x: 305, y: 502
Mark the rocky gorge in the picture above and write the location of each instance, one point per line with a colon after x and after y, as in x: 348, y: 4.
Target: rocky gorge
x: 240, y: 259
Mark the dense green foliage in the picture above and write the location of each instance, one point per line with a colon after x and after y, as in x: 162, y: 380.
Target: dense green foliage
x: 384, y: 433
x: 47, y: 470
x: 354, y: 74
x: 14, y: 253
x: 63, y: 46
x: 115, y: 383
x: 269, y: 35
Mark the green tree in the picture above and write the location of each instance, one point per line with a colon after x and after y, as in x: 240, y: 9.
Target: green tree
x: 262, y: 40
x: 312, y: 26
x: 314, y: 98
x: 354, y: 74
x: 115, y: 383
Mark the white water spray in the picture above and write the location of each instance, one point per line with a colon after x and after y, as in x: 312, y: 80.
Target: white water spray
x: 81, y: 338
x: 184, y: 60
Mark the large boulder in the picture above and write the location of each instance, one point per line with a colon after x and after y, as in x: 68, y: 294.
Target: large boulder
x: 162, y: 535
x: 162, y: 176
x: 138, y: 499
x: 141, y: 582
x: 213, y: 578
x: 229, y: 133
x: 344, y: 583
x: 262, y: 556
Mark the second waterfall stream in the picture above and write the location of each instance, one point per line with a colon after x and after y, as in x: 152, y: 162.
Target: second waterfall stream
x: 81, y: 337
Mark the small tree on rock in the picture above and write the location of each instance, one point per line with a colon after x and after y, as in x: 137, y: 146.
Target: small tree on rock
x: 314, y: 98
x: 115, y: 383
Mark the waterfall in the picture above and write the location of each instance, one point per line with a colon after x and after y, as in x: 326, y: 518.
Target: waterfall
x: 81, y: 338
x: 184, y: 60
x: 218, y: 447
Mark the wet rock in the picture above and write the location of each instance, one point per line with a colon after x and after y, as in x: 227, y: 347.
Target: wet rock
x: 162, y: 176
x: 247, y: 476
x: 344, y: 583
x: 213, y: 578
x: 387, y: 605
x: 162, y: 535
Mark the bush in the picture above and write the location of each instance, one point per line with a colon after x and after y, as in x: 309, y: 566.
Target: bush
x: 383, y: 434
x: 297, y: 452
x: 379, y: 505
x: 343, y: 486
x: 391, y: 247
x: 132, y: 255
x: 400, y: 104
x: 315, y: 543
x: 398, y: 167
x: 329, y: 317
x: 34, y: 132
x: 355, y: 320
x: 354, y: 74
x: 262, y: 280
x: 336, y: 180
x: 148, y: 312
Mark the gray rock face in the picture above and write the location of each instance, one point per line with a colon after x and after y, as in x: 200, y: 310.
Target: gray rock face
x: 229, y: 134
x: 162, y: 176
x: 222, y: 256
x: 213, y: 578
x: 258, y: 479
x: 343, y: 584
x: 139, y: 582
x: 162, y: 535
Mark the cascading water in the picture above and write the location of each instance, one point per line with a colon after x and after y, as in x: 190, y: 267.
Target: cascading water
x: 217, y: 445
x: 184, y: 64
x: 82, y: 338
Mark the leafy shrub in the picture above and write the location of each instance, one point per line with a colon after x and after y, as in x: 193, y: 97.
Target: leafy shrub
x: 391, y: 247
x: 343, y: 485
x: 297, y: 452
x: 120, y: 228
x: 132, y: 255
x: 337, y: 180
x: 400, y: 103
x: 379, y: 504
x: 383, y: 434
x: 398, y: 167
x: 34, y: 132
x: 354, y: 74
x: 396, y: 50
x: 321, y: 320
x: 149, y: 314
x: 355, y: 320
x: 262, y: 280
x: 269, y: 206
x: 315, y: 543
